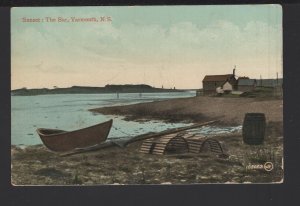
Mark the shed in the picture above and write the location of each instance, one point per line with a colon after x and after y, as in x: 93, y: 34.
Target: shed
x: 270, y: 82
x: 246, y: 85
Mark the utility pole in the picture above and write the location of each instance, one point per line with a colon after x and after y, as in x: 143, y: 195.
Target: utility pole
x: 260, y: 81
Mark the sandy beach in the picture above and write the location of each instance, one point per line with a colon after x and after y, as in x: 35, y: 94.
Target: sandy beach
x: 36, y: 165
x: 230, y: 111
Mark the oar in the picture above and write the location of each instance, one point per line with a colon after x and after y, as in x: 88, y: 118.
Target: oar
x: 166, y: 132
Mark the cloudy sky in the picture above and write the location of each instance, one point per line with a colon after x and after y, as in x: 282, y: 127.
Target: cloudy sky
x: 174, y: 46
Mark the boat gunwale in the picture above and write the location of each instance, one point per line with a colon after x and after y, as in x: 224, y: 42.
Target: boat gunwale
x: 73, y: 131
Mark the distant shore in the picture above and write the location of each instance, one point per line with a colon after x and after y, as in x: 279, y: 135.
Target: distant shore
x: 127, y: 88
x: 229, y: 111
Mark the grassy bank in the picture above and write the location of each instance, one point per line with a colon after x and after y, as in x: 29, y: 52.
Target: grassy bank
x: 36, y: 165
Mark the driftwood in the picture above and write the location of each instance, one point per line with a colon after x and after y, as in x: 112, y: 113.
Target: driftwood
x: 124, y: 143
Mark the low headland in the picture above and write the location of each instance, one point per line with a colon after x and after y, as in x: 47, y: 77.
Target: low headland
x: 110, y: 88
x: 35, y: 165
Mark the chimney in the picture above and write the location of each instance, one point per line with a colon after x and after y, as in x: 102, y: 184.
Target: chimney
x: 233, y: 72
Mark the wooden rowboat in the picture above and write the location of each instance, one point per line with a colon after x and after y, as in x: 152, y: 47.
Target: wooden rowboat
x: 62, y: 141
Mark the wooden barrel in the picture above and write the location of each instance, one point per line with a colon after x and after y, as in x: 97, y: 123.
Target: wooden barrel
x: 254, y: 127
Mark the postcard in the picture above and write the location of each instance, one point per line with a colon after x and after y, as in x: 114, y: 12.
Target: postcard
x: 122, y: 95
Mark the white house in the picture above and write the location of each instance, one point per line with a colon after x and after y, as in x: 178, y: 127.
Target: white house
x: 227, y: 87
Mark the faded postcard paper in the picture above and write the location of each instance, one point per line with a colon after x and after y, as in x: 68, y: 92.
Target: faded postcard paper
x: 146, y: 95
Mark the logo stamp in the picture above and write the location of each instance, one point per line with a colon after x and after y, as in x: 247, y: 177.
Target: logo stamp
x: 267, y: 166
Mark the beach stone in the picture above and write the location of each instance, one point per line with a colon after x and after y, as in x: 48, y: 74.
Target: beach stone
x: 236, y: 179
x: 168, y: 161
x: 104, y: 177
x: 165, y: 183
x: 138, y: 173
x: 229, y: 182
x: 199, y: 177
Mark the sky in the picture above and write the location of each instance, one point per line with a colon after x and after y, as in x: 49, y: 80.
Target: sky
x: 173, y: 46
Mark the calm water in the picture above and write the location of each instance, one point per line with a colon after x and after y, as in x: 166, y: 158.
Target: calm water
x: 70, y: 112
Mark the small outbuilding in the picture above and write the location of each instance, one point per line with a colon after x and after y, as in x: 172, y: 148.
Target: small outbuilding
x: 271, y: 83
x: 246, y: 85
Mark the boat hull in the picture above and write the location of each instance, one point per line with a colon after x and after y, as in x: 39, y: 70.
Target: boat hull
x: 62, y: 141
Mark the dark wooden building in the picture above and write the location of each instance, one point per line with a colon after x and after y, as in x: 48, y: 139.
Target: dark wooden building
x: 212, y: 82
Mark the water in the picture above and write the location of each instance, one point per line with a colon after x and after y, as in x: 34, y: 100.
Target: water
x: 70, y: 112
x: 215, y: 130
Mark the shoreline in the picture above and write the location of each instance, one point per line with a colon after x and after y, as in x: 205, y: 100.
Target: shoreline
x: 230, y: 111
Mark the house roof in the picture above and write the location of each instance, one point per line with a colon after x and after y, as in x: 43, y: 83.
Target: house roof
x: 227, y: 83
x: 243, y: 77
x: 217, y: 78
x: 246, y: 82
